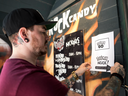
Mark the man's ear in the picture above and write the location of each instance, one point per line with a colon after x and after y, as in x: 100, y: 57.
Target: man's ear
x: 23, y: 34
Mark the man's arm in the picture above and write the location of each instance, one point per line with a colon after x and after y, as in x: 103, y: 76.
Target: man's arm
x: 112, y: 88
x: 71, y: 93
x: 114, y: 84
x: 70, y: 80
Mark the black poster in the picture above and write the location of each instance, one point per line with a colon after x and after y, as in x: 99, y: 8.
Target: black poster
x: 68, y: 56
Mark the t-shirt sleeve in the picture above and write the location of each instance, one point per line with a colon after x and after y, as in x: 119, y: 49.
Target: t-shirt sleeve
x: 41, y: 85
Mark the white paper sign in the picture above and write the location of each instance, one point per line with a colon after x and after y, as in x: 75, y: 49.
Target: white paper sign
x: 102, y: 52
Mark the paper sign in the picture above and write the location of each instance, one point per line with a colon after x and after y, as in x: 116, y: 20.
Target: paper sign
x: 102, y: 52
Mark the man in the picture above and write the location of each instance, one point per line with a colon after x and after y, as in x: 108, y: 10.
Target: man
x: 26, y: 29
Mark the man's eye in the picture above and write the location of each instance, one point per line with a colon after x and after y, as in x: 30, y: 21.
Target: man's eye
x: 43, y: 33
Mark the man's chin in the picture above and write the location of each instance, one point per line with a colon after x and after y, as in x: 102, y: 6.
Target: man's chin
x: 42, y: 53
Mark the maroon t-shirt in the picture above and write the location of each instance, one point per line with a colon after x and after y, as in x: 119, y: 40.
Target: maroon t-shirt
x: 21, y: 78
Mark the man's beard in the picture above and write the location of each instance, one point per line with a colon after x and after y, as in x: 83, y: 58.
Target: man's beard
x: 38, y: 50
x: 42, y: 53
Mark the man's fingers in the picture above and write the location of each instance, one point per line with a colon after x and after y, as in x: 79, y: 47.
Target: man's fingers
x: 118, y: 68
x: 86, y: 64
x: 89, y: 68
x: 121, y: 65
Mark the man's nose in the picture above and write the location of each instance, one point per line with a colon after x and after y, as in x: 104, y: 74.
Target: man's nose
x: 47, y: 37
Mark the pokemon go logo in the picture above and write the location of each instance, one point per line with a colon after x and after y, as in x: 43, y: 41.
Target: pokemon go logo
x: 102, y: 44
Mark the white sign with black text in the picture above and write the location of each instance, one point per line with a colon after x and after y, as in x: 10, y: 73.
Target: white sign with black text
x: 102, y: 52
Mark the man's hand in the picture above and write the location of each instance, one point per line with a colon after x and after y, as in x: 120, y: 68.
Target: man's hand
x: 70, y: 80
x: 118, y: 68
x: 83, y: 67
x: 113, y: 86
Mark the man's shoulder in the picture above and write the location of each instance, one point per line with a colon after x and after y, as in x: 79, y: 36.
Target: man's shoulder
x: 16, y: 70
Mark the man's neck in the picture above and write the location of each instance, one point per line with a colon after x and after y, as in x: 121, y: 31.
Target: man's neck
x: 25, y: 56
x: 32, y: 61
